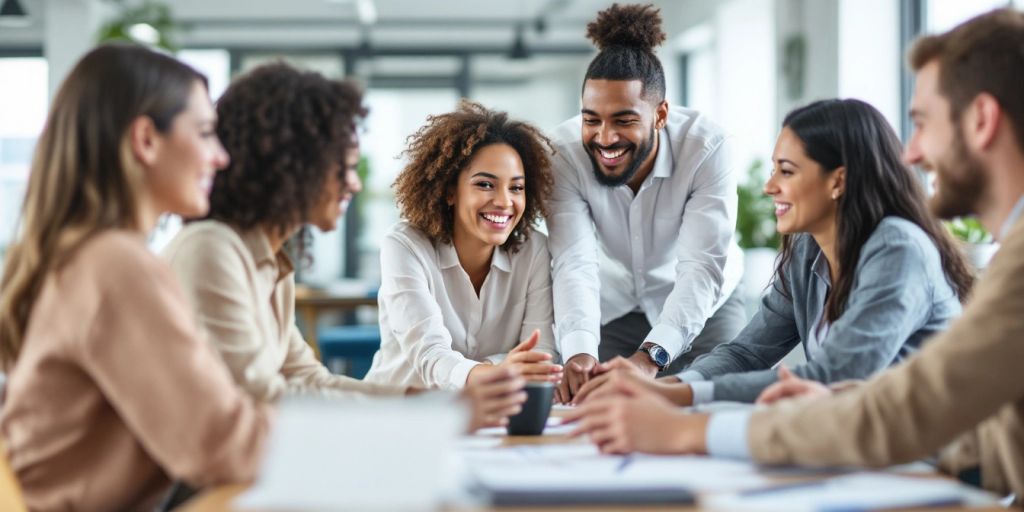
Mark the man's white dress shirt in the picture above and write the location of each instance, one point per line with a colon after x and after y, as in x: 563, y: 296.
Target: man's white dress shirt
x: 667, y: 251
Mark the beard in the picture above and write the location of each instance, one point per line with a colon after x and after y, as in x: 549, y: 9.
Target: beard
x: 639, y: 156
x: 961, y: 182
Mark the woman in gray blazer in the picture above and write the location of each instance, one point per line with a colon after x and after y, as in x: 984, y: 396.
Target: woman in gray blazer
x: 864, y: 276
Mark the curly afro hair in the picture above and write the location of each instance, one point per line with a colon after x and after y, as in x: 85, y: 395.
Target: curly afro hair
x: 284, y: 129
x: 444, y: 146
x: 626, y: 37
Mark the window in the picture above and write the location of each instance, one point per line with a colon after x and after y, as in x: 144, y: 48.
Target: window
x: 24, y: 105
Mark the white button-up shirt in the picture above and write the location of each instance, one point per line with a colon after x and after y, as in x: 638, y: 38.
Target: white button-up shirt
x: 434, y: 328
x: 668, y: 250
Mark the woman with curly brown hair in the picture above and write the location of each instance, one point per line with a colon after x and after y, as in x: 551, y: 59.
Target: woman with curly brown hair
x: 292, y: 140
x: 465, y: 275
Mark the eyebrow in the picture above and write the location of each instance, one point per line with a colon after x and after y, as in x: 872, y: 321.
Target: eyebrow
x: 781, y: 161
x: 627, y: 112
x: 493, y: 177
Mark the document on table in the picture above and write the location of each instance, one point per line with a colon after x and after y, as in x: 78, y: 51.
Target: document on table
x: 541, y: 467
x: 864, y: 491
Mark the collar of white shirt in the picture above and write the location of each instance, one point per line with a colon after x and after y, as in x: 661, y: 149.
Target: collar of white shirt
x: 448, y: 258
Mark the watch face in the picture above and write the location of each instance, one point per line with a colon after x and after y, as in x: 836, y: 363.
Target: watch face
x: 660, y: 356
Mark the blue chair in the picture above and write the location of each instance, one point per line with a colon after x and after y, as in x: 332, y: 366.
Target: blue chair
x: 355, y: 344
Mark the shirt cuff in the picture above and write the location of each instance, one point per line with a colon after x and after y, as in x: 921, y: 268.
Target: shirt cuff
x: 669, y: 338
x: 460, y: 372
x: 691, y: 376
x: 703, y: 392
x: 578, y: 342
x: 727, y: 434
x: 496, y: 359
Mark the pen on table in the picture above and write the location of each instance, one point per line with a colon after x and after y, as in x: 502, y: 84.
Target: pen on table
x: 626, y: 461
x: 785, y: 487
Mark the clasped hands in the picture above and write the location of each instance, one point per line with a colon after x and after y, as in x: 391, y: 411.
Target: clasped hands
x: 623, y: 409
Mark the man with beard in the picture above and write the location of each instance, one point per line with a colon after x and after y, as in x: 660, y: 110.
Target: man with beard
x: 962, y: 396
x: 642, y: 216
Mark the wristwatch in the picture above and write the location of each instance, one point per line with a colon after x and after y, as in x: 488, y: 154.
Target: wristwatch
x: 659, y: 356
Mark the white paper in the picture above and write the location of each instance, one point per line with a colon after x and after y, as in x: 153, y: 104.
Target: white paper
x: 851, y: 492
x: 374, y: 455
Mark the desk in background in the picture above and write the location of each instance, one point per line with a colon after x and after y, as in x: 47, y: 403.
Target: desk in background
x: 311, y: 303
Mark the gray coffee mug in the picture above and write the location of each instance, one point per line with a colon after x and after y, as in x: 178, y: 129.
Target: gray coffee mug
x: 534, y: 416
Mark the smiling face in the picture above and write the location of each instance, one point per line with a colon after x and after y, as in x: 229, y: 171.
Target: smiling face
x: 180, y: 163
x: 341, y: 185
x: 489, y: 196
x: 937, y: 146
x: 620, y: 129
x: 805, y: 194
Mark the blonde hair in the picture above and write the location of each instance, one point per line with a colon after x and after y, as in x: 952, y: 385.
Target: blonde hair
x: 84, y: 178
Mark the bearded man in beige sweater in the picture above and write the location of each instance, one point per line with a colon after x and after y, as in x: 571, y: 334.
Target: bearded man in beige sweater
x: 962, y: 397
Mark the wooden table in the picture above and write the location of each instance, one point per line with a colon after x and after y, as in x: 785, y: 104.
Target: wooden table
x: 220, y: 499
x: 310, y: 304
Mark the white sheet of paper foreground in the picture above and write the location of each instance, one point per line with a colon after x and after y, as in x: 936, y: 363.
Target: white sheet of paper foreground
x: 370, y: 455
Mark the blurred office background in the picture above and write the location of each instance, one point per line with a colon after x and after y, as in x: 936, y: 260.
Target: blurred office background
x: 745, y: 63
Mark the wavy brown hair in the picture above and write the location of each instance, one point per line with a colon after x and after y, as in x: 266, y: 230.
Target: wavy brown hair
x: 84, y: 177
x: 442, y: 148
x: 283, y: 129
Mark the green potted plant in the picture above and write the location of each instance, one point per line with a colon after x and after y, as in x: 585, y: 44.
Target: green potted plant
x: 977, y: 241
x: 149, y: 23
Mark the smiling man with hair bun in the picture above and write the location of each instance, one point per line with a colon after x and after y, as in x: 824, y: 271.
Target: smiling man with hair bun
x: 642, y: 215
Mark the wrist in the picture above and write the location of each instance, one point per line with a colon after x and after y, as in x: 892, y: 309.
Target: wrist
x: 682, y: 394
x: 691, y: 433
x: 644, y: 363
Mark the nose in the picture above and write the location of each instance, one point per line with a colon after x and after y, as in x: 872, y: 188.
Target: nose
x: 912, y: 153
x: 771, y: 187
x: 221, y: 159
x: 606, y: 135
x: 353, y: 184
x: 502, y: 198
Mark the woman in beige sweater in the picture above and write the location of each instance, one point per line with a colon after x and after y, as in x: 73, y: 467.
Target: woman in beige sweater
x: 291, y: 136
x: 111, y: 392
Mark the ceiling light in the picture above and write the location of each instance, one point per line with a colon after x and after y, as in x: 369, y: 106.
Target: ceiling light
x: 519, y: 49
x: 12, y: 14
x: 366, y: 10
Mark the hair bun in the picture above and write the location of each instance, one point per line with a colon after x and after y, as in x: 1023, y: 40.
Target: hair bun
x: 637, y: 26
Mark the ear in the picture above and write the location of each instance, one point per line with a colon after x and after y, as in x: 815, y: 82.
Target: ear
x: 661, y: 115
x: 837, y: 183
x: 143, y: 135
x: 980, y: 121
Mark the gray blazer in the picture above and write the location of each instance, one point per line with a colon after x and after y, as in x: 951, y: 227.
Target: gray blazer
x: 900, y: 297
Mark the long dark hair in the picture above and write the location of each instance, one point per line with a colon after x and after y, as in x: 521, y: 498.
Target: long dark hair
x: 84, y: 177
x: 852, y: 134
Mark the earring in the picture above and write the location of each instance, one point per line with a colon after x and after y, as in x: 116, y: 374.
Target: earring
x: 835, y: 196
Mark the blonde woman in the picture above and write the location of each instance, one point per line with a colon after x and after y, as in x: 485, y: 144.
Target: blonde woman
x: 111, y: 393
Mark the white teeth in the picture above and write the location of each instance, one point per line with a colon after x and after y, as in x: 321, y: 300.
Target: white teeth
x: 497, y: 219
x: 611, y: 155
x: 781, y: 208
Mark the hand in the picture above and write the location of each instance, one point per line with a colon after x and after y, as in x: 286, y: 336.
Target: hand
x: 605, y: 384
x: 534, y: 366
x: 494, y: 394
x: 578, y: 370
x: 644, y: 365
x: 633, y: 418
x: 791, y: 386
